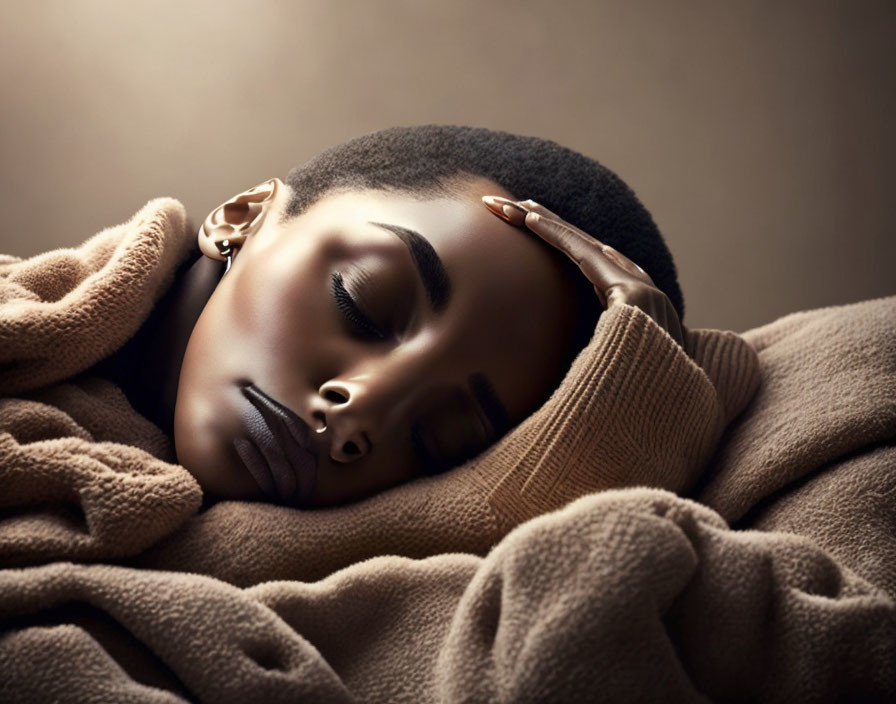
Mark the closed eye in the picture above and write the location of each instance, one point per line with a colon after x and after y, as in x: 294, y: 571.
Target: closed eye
x: 358, y: 321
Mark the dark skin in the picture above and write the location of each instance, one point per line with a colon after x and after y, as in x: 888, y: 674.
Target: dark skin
x: 616, y: 278
x: 272, y: 320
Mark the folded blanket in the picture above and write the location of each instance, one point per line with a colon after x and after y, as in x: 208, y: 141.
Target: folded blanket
x: 538, y: 578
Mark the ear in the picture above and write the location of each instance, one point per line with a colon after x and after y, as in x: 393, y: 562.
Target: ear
x: 238, y: 218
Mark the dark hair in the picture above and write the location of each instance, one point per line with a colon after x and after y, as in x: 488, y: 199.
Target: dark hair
x: 430, y: 159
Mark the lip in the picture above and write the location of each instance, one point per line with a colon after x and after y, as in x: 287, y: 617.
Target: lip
x: 277, y: 454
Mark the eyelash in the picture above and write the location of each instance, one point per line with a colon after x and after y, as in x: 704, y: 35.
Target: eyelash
x: 363, y: 325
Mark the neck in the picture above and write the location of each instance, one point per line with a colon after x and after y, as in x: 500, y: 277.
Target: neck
x: 148, y: 367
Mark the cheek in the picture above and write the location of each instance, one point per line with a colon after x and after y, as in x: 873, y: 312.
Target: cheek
x: 204, y: 424
x: 205, y: 412
x: 280, y: 319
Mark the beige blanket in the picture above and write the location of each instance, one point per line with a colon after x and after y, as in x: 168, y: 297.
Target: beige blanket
x: 526, y: 575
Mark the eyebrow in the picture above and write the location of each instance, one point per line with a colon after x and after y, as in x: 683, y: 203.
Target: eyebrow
x: 429, y: 266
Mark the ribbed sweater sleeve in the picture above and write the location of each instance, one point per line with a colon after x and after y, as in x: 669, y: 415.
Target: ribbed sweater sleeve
x: 635, y: 409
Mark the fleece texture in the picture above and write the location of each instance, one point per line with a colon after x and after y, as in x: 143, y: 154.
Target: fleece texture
x: 712, y: 521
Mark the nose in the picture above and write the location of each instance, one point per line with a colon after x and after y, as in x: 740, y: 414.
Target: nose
x: 349, y: 440
x: 373, y: 400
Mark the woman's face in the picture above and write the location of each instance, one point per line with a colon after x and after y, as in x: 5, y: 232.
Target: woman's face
x: 383, y: 398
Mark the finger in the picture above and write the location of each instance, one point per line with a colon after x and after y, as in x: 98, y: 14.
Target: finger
x: 614, y: 254
x: 585, y: 252
x: 507, y: 210
x: 515, y: 213
x: 627, y: 264
x: 579, y: 246
x: 533, y: 207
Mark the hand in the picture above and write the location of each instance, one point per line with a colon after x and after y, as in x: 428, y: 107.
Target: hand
x: 616, y: 278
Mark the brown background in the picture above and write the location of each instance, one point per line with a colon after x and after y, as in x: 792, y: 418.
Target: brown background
x: 759, y: 134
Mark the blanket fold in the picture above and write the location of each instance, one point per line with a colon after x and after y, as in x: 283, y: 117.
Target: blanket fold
x: 71, y: 488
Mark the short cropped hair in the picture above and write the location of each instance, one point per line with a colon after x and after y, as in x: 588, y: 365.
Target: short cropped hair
x: 430, y: 160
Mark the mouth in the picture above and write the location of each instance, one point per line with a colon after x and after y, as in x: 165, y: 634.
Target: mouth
x: 277, y: 452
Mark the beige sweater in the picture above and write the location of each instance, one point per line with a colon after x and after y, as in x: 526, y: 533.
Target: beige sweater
x: 528, y: 574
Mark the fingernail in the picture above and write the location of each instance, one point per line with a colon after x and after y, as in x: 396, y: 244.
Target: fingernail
x: 492, y: 205
x: 502, y: 206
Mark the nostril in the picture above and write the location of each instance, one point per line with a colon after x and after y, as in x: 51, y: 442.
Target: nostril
x: 350, y: 448
x: 334, y: 396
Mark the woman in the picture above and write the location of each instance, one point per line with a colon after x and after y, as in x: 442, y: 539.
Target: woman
x: 384, y: 313
x: 569, y: 537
